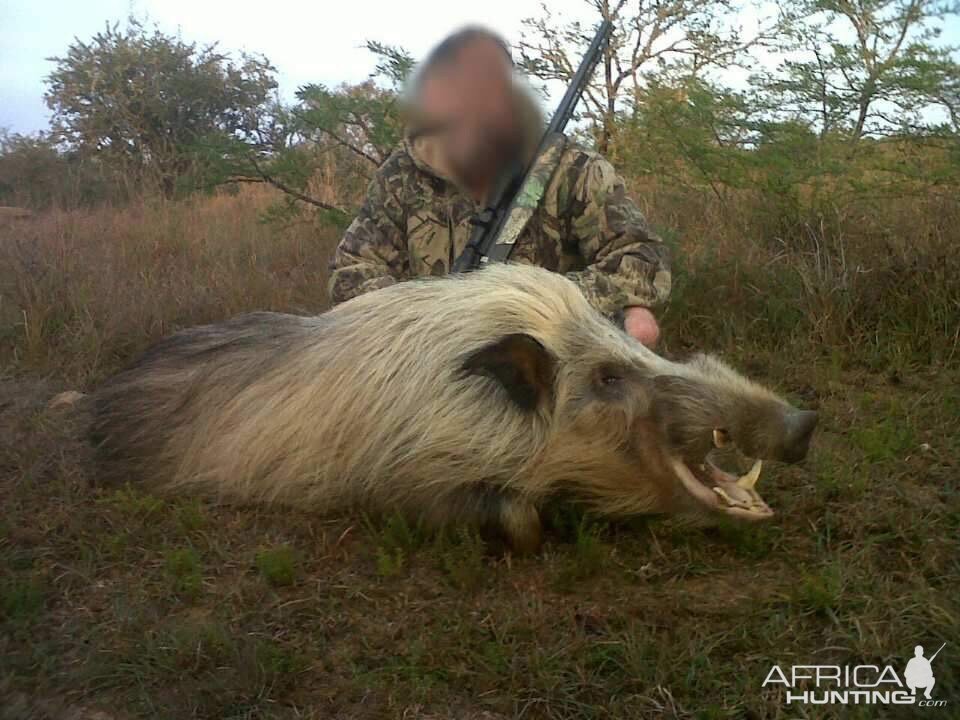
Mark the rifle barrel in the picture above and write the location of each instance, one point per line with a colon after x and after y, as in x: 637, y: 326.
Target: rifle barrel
x: 578, y: 83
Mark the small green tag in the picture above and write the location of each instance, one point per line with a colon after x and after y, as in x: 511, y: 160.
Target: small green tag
x: 531, y: 192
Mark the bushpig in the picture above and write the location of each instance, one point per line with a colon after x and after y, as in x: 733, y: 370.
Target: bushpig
x: 464, y: 399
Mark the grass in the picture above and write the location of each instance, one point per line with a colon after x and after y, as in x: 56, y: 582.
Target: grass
x: 116, y: 601
x: 587, y: 557
x: 184, y: 570
x: 84, y: 290
x: 278, y: 565
x: 21, y: 598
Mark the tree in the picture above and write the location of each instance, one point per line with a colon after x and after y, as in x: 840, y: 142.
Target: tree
x: 148, y: 104
x: 691, y: 133
x: 936, y: 82
x: 363, y: 119
x: 342, y: 134
x: 35, y: 173
x: 948, y: 95
x: 867, y: 67
x: 679, y: 38
x: 30, y: 170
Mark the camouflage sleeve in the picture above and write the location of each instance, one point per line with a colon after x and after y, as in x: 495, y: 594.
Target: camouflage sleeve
x: 627, y: 263
x: 372, y: 253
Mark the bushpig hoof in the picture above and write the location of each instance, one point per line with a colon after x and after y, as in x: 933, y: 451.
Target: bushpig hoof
x: 520, y: 524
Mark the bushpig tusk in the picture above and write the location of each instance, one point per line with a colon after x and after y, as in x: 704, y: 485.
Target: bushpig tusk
x: 750, y: 479
x: 720, y: 438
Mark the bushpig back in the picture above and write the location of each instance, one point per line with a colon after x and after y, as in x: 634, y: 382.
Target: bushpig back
x: 366, y: 402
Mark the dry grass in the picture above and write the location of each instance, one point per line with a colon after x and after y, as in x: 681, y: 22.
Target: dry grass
x: 873, y: 281
x: 116, y: 602
x: 8, y: 213
x: 84, y: 290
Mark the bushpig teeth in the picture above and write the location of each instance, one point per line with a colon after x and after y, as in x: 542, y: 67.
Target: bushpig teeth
x: 720, y: 438
x: 750, y: 479
x: 726, y: 498
x: 734, y: 503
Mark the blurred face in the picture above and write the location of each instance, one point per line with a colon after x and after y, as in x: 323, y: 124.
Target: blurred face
x: 470, y: 100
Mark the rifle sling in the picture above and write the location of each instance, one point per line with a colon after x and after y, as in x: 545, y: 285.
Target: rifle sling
x: 527, y: 199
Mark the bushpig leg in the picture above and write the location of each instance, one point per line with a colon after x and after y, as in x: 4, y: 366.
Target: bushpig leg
x: 498, y: 513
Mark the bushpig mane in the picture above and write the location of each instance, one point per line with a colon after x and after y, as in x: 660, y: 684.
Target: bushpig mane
x: 321, y: 410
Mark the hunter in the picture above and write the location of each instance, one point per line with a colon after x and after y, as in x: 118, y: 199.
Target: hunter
x: 471, y: 117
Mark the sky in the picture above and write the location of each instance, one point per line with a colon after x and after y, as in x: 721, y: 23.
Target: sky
x: 319, y: 41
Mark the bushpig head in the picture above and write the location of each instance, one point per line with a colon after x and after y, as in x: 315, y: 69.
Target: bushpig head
x: 632, y: 432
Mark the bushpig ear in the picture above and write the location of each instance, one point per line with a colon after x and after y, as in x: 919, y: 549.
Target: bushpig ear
x: 520, y: 364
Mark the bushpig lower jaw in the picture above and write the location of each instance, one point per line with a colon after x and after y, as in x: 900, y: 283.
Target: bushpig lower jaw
x: 722, y: 492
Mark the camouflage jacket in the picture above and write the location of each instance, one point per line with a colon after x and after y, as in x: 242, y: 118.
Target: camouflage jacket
x: 416, y: 221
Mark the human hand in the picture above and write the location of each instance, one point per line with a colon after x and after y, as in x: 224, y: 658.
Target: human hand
x: 641, y: 325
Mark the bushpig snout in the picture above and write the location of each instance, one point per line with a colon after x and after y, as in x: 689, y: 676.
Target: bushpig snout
x: 798, y: 430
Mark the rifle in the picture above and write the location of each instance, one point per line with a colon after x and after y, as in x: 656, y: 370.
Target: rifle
x: 517, y: 195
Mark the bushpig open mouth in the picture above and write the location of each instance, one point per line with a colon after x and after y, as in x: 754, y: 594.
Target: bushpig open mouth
x: 730, y: 494
x: 722, y: 491
x: 719, y: 489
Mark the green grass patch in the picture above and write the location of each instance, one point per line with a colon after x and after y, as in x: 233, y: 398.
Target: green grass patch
x: 190, y: 517
x: 746, y: 540
x: 22, y: 598
x: 588, y: 556
x: 279, y: 566
x: 134, y: 504
x: 461, y: 555
x: 200, y: 668
x: 891, y: 438
x: 396, y: 538
x: 184, y: 571
x: 820, y: 591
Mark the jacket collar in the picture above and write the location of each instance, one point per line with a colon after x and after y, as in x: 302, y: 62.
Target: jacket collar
x: 427, y: 155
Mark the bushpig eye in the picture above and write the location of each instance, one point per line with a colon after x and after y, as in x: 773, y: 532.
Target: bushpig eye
x: 609, y: 380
